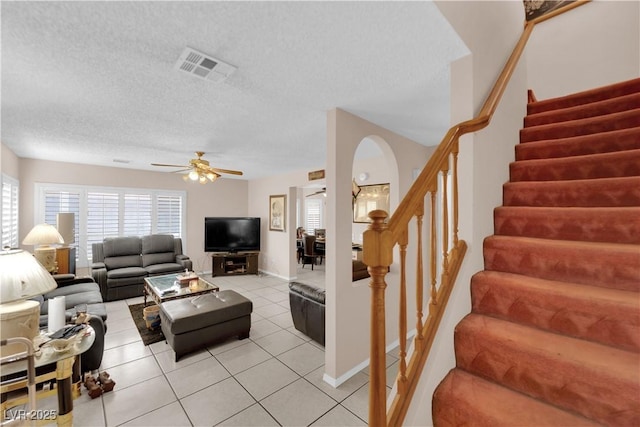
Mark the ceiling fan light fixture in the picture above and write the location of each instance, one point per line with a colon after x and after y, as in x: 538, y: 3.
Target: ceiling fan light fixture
x: 199, y: 170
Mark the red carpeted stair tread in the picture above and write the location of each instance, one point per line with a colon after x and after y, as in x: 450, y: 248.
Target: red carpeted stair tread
x: 586, y: 192
x: 605, y: 142
x: 606, y: 123
x: 463, y: 399
x: 590, y: 166
x: 585, y: 97
x: 611, y: 265
x: 583, y: 111
x: 610, y: 224
x: 597, y: 381
x: 606, y: 316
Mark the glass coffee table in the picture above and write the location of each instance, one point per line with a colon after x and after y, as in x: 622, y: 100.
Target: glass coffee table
x: 168, y: 287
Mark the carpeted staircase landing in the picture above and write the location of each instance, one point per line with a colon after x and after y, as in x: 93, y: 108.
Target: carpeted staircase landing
x: 554, y: 333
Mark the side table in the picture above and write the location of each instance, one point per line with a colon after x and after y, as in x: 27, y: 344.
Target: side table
x: 46, y: 355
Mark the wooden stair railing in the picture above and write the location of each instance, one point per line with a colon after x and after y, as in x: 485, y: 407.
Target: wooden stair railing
x: 380, y: 239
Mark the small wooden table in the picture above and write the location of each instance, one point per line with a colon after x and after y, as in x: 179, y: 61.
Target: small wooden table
x: 167, y: 287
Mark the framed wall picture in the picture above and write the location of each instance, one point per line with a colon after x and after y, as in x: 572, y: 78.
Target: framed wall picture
x: 370, y: 197
x: 277, y: 212
x: 536, y: 9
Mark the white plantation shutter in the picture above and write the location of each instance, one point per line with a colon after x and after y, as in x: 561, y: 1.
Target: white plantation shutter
x: 103, y: 218
x: 9, y: 209
x: 62, y: 201
x: 169, y: 215
x: 313, y: 215
x: 137, y: 214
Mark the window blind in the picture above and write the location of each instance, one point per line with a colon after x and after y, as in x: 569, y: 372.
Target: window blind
x: 313, y: 215
x: 169, y: 215
x: 137, y: 214
x: 9, y: 209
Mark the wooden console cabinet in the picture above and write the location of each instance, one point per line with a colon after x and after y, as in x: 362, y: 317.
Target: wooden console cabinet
x: 225, y: 264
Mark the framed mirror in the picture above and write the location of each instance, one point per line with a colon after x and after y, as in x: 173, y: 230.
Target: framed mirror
x: 370, y: 197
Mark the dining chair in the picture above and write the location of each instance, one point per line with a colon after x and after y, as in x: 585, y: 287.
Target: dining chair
x: 310, y: 255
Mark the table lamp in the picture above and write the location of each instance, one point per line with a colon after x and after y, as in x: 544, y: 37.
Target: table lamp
x: 21, y: 277
x: 44, y: 235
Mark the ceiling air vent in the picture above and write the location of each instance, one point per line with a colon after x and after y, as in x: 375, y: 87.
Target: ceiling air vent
x: 203, y: 66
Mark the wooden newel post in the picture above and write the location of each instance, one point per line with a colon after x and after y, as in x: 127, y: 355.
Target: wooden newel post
x: 377, y: 255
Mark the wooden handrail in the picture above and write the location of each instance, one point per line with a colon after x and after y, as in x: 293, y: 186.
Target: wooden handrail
x: 381, y: 237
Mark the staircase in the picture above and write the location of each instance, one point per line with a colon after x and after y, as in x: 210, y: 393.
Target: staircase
x: 554, y: 333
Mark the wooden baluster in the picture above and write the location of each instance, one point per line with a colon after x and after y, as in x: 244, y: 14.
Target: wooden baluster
x: 455, y: 192
x: 433, y: 236
x: 419, y: 281
x: 402, y: 371
x: 377, y: 255
x: 445, y: 220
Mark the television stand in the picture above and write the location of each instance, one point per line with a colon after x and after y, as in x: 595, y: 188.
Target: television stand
x: 227, y: 264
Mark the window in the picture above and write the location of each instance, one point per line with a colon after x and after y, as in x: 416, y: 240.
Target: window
x: 59, y: 201
x: 9, y: 209
x: 169, y: 215
x: 137, y: 214
x: 313, y: 215
x: 111, y: 212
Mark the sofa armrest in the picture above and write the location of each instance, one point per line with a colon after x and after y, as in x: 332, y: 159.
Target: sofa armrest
x: 99, y: 274
x: 184, y: 261
x: 308, y: 310
x: 70, y: 279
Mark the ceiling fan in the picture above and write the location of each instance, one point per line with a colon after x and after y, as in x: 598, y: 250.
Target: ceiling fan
x: 323, y: 191
x: 199, y: 169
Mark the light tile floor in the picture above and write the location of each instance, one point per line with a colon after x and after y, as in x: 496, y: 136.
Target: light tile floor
x: 273, y: 378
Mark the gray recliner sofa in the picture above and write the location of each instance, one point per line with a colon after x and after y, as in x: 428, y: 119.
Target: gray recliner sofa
x: 120, y: 264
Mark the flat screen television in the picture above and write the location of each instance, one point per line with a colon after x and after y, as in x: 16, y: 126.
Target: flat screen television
x: 231, y: 234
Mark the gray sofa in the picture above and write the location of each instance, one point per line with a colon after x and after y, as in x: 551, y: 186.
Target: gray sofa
x: 120, y: 264
x: 79, y: 290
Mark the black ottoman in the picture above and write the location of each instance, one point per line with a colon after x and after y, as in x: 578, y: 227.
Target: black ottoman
x: 190, y: 324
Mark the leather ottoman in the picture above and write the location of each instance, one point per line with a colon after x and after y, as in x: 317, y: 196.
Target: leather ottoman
x: 190, y: 324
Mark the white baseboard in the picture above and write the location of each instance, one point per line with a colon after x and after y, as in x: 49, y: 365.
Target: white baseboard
x: 336, y: 382
x: 288, y: 279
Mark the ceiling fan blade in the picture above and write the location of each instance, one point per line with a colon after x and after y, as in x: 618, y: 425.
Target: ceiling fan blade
x: 171, y: 166
x: 323, y: 191
x: 228, y: 171
x: 181, y: 170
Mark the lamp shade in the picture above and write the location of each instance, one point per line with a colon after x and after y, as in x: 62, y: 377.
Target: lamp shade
x: 43, y: 234
x: 21, y: 276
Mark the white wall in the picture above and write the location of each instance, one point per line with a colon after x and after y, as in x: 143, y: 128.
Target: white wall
x: 347, y: 303
x: 593, y: 45
x: 225, y: 197
x: 9, y: 163
x: 571, y: 52
x: 278, y: 249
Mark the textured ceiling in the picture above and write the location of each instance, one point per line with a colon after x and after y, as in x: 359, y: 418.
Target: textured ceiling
x: 90, y: 82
